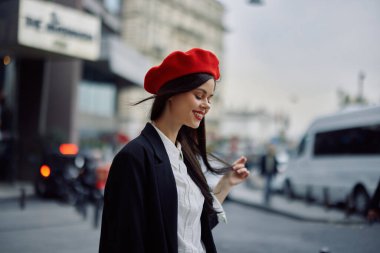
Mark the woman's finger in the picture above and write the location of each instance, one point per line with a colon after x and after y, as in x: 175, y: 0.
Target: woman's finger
x: 242, y: 159
x: 242, y: 170
x: 238, y: 166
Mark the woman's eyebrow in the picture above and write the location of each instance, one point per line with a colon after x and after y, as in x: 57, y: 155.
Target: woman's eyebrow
x: 204, y: 91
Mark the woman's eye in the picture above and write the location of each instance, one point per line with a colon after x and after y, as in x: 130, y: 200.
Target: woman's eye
x: 198, y: 97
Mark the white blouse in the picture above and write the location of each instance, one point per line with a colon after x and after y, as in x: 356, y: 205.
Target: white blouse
x: 190, y: 201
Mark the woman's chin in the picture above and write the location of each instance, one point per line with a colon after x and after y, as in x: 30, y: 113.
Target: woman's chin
x: 193, y: 125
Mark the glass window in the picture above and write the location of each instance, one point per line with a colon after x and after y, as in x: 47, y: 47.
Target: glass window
x: 351, y: 141
x: 97, y: 98
x: 113, y: 6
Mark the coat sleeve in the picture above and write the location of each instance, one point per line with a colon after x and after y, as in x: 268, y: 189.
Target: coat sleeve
x: 124, y: 213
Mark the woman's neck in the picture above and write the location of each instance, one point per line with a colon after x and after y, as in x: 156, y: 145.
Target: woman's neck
x: 168, y: 128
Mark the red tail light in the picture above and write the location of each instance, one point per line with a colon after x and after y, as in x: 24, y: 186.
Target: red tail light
x: 68, y: 149
x: 45, y: 171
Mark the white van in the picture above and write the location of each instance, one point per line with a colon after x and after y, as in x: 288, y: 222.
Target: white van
x: 338, y: 159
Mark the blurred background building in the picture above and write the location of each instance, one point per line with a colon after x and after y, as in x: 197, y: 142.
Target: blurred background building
x: 158, y: 27
x: 43, y: 46
x: 63, y: 63
x: 118, y: 68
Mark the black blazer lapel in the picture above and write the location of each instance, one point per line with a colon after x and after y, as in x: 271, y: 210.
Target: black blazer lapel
x: 165, y: 183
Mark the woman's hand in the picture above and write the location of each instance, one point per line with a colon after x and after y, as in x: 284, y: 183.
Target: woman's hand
x: 239, y: 172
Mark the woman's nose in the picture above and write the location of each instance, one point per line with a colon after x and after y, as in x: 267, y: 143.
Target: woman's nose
x: 206, y: 106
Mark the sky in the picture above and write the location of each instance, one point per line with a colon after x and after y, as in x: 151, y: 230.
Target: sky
x: 292, y: 56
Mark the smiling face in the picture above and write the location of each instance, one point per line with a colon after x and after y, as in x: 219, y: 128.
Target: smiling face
x: 189, y: 108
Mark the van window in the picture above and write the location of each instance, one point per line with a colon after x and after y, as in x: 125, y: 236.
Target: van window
x: 351, y: 141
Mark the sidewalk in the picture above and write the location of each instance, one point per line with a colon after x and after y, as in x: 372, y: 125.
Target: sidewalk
x: 14, y: 191
x: 46, y: 226
x: 296, y: 209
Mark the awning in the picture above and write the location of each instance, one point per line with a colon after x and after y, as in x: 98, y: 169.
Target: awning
x: 123, y: 60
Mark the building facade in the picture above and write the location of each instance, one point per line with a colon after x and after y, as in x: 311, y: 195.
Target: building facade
x: 156, y: 28
x: 46, y: 43
x: 63, y: 64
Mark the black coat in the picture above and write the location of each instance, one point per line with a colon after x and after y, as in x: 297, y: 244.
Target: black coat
x: 140, y: 202
x: 263, y: 166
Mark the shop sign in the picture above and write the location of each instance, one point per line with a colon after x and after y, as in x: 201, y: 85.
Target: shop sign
x: 56, y: 28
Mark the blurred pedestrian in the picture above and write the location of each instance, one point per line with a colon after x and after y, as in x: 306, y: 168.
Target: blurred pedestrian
x: 268, y: 169
x: 374, y: 205
x: 156, y: 197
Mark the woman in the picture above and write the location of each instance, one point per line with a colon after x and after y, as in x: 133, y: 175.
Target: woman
x: 156, y: 197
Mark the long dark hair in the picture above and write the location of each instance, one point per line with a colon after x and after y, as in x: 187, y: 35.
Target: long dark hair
x: 193, y: 141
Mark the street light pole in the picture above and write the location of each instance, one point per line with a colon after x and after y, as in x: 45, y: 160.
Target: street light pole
x: 361, y: 78
x: 256, y: 2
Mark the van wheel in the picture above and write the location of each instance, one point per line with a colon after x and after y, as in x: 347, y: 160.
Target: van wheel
x: 288, y: 189
x: 360, y: 200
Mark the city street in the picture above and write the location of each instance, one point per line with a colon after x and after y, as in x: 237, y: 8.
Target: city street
x: 48, y: 226
x: 250, y: 230
x: 45, y: 226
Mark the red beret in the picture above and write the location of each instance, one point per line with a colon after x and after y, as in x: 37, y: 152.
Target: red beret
x: 179, y: 64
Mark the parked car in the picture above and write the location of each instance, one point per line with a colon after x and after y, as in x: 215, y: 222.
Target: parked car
x: 338, y: 160
x: 71, y: 176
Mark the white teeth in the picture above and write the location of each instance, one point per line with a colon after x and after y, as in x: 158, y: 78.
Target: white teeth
x: 198, y: 115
